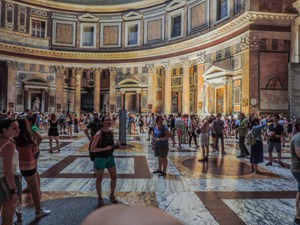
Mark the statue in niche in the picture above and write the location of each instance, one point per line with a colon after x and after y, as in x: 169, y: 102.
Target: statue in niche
x: 274, y: 84
x: 36, y: 104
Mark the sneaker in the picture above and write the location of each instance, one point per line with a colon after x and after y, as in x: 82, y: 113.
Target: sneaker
x: 296, y: 221
x: 252, y: 170
x: 281, y: 164
x: 42, y: 213
x: 224, y: 153
x: 269, y: 164
x: 162, y: 174
x: 241, y: 156
x: 157, y: 171
x: 256, y: 172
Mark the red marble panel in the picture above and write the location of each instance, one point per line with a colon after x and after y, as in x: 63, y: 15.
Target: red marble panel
x: 64, y: 33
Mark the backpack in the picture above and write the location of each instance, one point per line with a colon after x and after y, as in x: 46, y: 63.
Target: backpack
x: 250, y: 138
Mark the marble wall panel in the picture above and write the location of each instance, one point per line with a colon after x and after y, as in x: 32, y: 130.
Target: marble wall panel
x: 274, y: 70
x: 198, y: 15
x: 154, y: 31
x: 110, y: 35
x: 270, y: 5
x: 64, y: 33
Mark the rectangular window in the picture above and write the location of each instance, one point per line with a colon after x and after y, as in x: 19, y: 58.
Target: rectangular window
x: 91, y: 75
x: 195, y: 68
x: 222, y: 9
x: 38, y: 28
x: 237, y: 6
x: 88, y: 37
x: 133, y: 35
x: 176, y: 26
x: 84, y: 75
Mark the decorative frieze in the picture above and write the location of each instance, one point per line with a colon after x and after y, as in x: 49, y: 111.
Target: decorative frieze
x: 249, y: 42
x: 12, y: 64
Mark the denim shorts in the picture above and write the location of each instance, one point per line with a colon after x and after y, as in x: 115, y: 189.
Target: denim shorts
x: 104, y: 162
x: 297, y: 178
x: 273, y: 144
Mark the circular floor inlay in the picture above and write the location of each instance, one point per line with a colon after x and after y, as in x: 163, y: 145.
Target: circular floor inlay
x: 218, y: 166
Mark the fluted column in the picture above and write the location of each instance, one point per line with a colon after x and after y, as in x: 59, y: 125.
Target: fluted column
x: 186, y: 86
x: 60, y: 72
x: 200, y: 84
x: 206, y: 103
x: 112, y: 89
x: 97, y: 76
x: 78, y: 72
x: 152, y: 84
x: 11, y: 84
x: 168, y: 89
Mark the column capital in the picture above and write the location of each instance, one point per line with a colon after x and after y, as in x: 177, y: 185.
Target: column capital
x: 167, y: 66
x: 59, y: 69
x: 186, y: 63
x: 227, y: 81
x: 151, y: 68
x: 139, y: 91
x: 249, y: 42
x: 122, y: 92
x: 96, y: 70
x: 112, y: 70
x: 12, y: 64
x: 78, y: 70
x: 201, y: 58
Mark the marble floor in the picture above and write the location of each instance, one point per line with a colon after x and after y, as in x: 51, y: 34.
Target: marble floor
x: 221, y: 191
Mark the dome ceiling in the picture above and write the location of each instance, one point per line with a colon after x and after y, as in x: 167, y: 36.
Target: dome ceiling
x: 95, y: 5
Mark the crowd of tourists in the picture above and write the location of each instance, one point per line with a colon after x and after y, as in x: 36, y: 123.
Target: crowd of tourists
x: 20, y: 138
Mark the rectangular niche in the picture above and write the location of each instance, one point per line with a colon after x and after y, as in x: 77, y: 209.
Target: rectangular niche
x: 237, y: 96
x: 88, y: 35
x: 132, y: 34
x: 22, y: 19
x: 9, y: 16
x: 222, y: 10
x: 198, y: 16
x: 63, y: 33
x: 110, y: 35
x: 154, y: 30
x: 38, y: 27
x: 175, y: 24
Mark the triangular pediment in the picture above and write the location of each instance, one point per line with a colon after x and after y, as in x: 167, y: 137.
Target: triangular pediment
x: 176, y: 4
x: 216, y: 72
x: 88, y: 17
x: 132, y: 16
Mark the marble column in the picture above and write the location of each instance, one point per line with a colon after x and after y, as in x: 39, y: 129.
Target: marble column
x: 200, y: 85
x: 152, y: 84
x: 123, y: 94
x: 12, y: 67
x: 78, y: 72
x: 46, y: 101
x: 112, y: 89
x: 168, y: 90
x: 60, y: 72
x: 26, y: 98
x: 206, y: 103
x: 43, y: 101
x: 97, y: 76
x: 186, y: 86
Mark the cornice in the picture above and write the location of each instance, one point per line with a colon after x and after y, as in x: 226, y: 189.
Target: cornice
x: 235, y: 25
x: 93, y: 8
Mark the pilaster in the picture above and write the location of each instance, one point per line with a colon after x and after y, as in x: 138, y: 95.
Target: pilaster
x: 152, y: 84
x: 200, y: 84
x: 78, y: 72
x: 60, y: 72
x: 186, y: 86
x: 112, y: 89
x: 168, y: 89
x: 12, y: 67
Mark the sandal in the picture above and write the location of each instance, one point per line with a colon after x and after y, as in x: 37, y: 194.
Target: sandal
x: 100, y: 202
x: 113, y: 199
